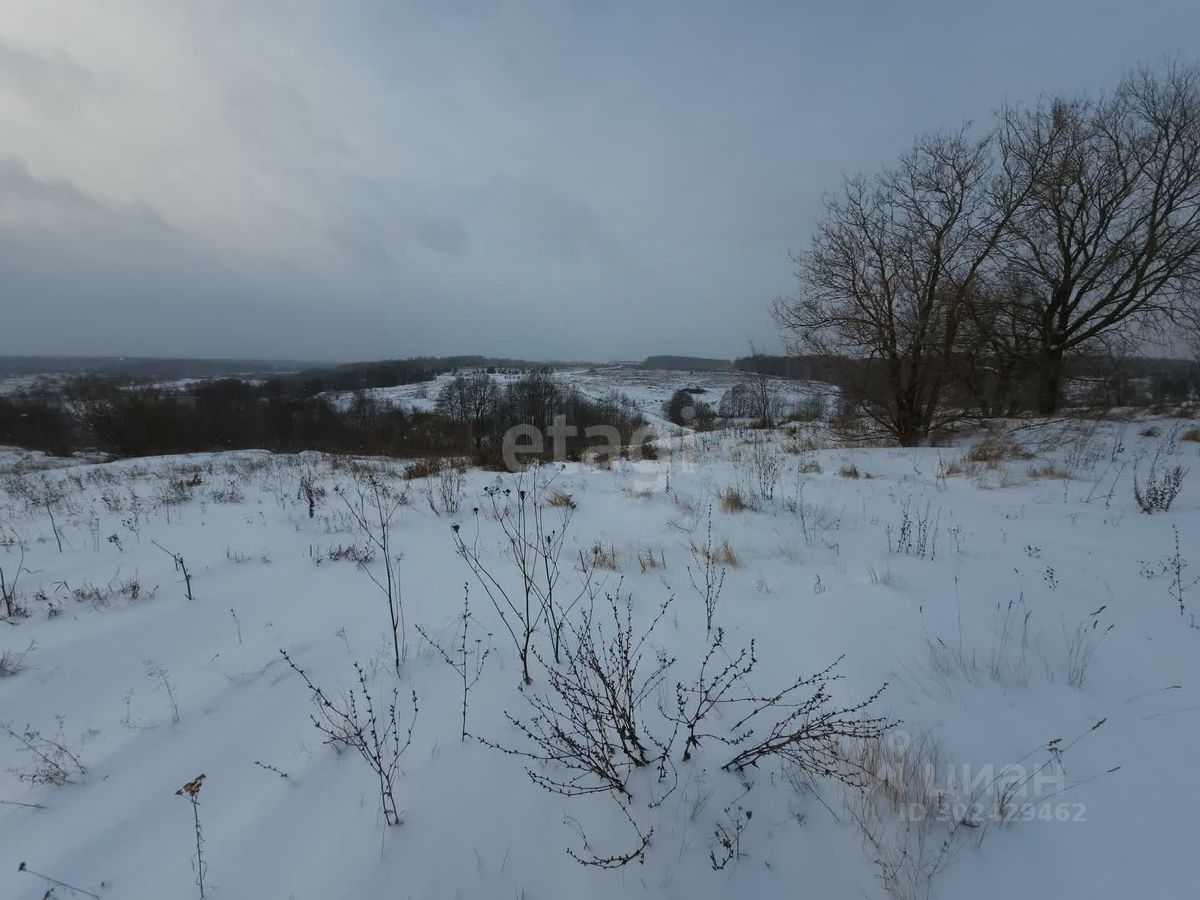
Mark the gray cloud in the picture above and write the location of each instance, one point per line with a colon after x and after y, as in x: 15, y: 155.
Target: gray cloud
x: 311, y: 179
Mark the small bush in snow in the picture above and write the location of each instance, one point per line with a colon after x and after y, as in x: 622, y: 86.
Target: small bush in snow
x: 50, y: 762
x: 1160, y: 488
x: 368, y: 726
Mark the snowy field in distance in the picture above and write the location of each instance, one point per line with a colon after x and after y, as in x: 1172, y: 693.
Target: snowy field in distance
x: 647, y: 389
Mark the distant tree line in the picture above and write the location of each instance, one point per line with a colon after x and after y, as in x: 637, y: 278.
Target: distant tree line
x: 487, y: 410
x: 976, y: 266
x: 292, y: 414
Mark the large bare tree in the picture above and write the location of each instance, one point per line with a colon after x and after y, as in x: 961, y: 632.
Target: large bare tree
x: 1109, y: 236
x: 892, y: 265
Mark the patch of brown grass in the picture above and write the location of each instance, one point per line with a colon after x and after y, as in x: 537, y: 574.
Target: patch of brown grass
x: 733, y: 500
x: 560, y: 500
x: 993, y: 449
x: 423, y: 468
x: 1049, y: 470
x: 850, y: 471
x: 1191, y: 434
x: 722, y: 554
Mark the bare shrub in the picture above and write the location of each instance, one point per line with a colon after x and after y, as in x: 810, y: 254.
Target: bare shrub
x: 1174, y: 565
x: 50, y: 762
x: 1160, y: 489
x: 849, y: 471
x: 708, y: 576
x: 534, y: 546
x: 814, y: 518
x: 917, y: 532
x: 468, y: 658
x: 11, y: 663
x: 372, y: 506
x: 809, y: 736
x: 727, y: 837
x: 361, y: 722
x: 446, y: 487
x: 590, y: 721
x: 158, y: 672
x: 13, y: 607
x: 767, y: 465
x: 711, y: 691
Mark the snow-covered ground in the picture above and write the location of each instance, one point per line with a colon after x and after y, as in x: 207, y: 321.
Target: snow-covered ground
x: 1010, y: 605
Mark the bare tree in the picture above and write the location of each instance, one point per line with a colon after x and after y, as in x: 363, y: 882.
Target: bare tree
x: 471, y: 399
x: 1109, y: 235
x: 891, y: 267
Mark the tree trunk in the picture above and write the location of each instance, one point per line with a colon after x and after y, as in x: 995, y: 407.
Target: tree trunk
x: 1049, y: 382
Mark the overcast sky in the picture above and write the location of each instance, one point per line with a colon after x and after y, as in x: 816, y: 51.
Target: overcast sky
x: 349, y: 180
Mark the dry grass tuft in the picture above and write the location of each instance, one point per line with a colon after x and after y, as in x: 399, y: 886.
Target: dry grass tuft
x: 721, y: 554
x: 993, y: 449
x: 423, y: 468
x: 1190, y: 434
x: 648, y: 561
x: 601, y: 557
x: 1050, y: 470
x: 850, y: 471
x: 733, y: 500
x: 560, y: 500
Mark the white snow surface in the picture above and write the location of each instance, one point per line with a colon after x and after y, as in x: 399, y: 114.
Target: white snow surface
x: 1014, y: 565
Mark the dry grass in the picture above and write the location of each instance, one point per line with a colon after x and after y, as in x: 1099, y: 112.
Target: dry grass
x: 1049, y: 470
x: 850, y: 471
x: 648, y: 561
x: 560, y: 500
x: 602, y: 557
x: 423, y: 468
x: 884, y: 576
x: 1190, y: 434
x: 721, y: 554
x: 733, y: 500
x: 637, y: 493
x: 962, y: 467
x: 994, y: 449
